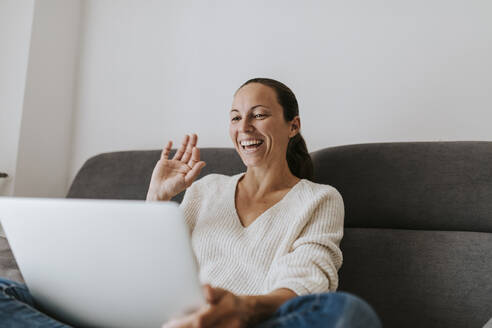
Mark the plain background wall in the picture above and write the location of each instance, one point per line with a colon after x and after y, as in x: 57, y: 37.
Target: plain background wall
x: 15, y: 33
x: 45, y: 135
x: 363, y: 71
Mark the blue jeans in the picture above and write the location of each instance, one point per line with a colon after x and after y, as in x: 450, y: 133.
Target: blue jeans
x: 340, y: 309
x: 337, y: 310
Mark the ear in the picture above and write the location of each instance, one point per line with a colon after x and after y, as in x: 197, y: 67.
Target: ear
x: 295, y: 126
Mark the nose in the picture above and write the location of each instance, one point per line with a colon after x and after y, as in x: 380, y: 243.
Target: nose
x: 245, y: 125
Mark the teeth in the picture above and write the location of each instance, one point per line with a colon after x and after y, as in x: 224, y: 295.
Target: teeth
x: 250, y: 142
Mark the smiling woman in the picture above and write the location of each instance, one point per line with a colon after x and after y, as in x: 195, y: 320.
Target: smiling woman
x: 266, y: 239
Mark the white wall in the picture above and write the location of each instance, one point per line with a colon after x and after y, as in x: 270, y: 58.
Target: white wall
x: 363, y: 71
x: 15, y: 34
x: 46, y: 130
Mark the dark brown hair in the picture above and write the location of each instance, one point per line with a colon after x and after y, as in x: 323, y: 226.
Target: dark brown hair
x: 298, y: 158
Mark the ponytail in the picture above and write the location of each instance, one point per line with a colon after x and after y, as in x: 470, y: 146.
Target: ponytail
x: 298, y: 158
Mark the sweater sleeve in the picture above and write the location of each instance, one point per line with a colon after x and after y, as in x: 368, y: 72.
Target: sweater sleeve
x: 312, y: 264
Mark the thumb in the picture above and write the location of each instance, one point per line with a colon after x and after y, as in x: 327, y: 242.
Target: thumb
x: 193, y: 173
x: 207, y: 291
x: 213, y: 295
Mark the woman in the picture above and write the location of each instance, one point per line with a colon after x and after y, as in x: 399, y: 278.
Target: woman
x: 267, y: 239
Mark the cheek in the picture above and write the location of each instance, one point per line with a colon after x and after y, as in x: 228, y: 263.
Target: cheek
x: 232, y: 133
x: 279, y: 132
x: 280, y: 135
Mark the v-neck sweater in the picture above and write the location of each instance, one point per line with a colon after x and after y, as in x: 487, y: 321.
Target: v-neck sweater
x: 294, y: 244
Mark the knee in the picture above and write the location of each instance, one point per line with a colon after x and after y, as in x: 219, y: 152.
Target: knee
x: 6, y: 286
x: 6, y: 283
x: 342, y: 298
x: 353, y: 311
x: 333, y: 309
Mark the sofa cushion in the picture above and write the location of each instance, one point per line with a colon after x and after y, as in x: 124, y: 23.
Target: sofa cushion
x: 8, y: 265
x: 412, y: 185
x: 420, y: 278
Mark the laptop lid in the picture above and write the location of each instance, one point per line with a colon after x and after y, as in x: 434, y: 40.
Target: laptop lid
x: 104, y: 263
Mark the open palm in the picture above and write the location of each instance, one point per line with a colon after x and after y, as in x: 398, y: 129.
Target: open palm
x: 171, y: 176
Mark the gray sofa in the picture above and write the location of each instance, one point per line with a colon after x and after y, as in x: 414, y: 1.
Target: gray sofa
x: 418, y: 222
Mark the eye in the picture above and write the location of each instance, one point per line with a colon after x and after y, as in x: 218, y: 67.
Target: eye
x: 235, y: 118
x: 260, y: 115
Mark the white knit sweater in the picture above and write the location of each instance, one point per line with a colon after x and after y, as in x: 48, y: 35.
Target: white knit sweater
x: 294, y: 244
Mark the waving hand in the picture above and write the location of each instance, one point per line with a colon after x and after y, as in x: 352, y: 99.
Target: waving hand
x: 171, y: 176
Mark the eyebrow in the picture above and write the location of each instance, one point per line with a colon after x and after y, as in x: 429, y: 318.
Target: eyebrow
x: 232, y: 110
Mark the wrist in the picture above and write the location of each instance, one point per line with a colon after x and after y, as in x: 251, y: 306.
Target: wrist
x: 258, y: 308
x: 153, y: 196
x: 248, y: 313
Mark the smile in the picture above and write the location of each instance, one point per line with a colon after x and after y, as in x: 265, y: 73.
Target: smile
x: 250, y: 146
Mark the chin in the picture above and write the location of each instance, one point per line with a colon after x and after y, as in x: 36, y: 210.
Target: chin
x: 248, y: 161
x: 253, y: 162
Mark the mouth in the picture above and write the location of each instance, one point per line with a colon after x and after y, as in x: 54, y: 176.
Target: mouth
x: 251, y: 146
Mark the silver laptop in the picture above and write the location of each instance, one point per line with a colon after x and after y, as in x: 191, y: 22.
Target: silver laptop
x: 104, y: 263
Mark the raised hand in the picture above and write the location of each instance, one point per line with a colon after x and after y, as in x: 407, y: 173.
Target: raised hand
x: 171, y: 176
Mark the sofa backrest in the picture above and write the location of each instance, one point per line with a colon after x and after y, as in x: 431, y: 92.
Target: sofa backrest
x: 412, y: 185
x: 418, y: 218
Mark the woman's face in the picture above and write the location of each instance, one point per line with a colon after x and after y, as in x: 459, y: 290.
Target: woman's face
x: 257, y: 126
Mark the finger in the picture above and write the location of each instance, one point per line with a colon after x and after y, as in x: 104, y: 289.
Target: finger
x: 166, y: 150
x: 189, y: 148
x: 193, y: 173
x: 195, y: 157
x: 210, y: 295
x: 231, y: 321
x: 217, y: 294
x: 178, y: 323
x: 207, y: 290
x: 194, y: 139
x: 196, y: 319
x: 217, y: 314
x: 182, y: 148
